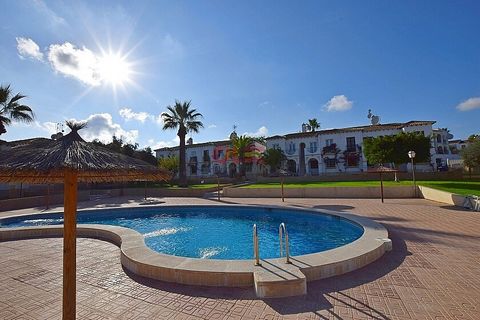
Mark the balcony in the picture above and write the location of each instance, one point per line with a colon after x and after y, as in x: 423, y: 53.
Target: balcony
x: 354, y: 148
x: 330, y: 149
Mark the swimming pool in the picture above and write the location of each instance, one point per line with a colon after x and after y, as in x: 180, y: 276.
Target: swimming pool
x: 217, y: 232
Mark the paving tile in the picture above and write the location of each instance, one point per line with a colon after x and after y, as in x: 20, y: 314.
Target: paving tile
x: 433, y: 272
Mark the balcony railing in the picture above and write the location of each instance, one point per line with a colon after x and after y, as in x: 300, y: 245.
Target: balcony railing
x: 330, y: 149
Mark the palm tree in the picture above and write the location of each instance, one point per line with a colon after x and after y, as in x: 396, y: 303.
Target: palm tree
x: 243, y: 147
x: 11, y: 109
x: 273, y: 157
x: 313, y: 123
x: 183, y: 117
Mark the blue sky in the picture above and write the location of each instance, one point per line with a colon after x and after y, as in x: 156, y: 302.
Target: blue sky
x: 266, y: 66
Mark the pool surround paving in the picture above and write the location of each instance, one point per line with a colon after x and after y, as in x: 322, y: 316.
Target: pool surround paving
x: 143, y: 261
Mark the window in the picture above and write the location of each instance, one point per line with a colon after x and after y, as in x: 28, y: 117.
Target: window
x: 351, y: 145
x: 330, y: 163
x: 291, y: 148
x: 313, y: 147
x: 206, y: 156
x: 328, y: 142
x: 439, y: 138
x: 220, y: 154
x: 193, y: 153
x: 275, y: 146
x: 351, y: 160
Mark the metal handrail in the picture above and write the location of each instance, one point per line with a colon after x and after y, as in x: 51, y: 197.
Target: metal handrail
x: 282, y: 229
x: 256, y: 253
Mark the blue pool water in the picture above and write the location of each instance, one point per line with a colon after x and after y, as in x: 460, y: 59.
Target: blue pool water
x: 217, y: 232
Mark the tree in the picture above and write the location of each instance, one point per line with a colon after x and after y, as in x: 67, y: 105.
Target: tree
x: 11, y: 109
x: 129, y: 149
x: 186, y: 119
x: 314, y: 125
x: 243, y: 148
x: 169, y: 163
x: 471, y: 155
x: 273, y: 157
x: 473, y: 137
x: 394, y: 148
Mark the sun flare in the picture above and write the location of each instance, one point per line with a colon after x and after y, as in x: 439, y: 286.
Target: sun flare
x: 114, y: 69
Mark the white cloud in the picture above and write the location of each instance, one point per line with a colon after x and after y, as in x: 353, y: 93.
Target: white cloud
x: 212, y: 126
x: 81, y: 64
x: 27, y: 48
x: 49, y: 127
x: 469, y: 104
x: 264, y: 103
x: 162, y: 143
x: 53, y: 18
x: 128, y: 114
x: 261, y: 132
x: 338, y: 103
x: 172, y: 47
x: 101, y: 126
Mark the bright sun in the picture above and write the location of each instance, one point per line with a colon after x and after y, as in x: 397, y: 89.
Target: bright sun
x: 114, y: 69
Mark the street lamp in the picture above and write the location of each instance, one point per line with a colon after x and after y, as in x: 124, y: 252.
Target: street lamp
x: 411, y: 155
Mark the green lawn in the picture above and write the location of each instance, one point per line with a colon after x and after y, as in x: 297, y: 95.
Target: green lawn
x: 459, y: 187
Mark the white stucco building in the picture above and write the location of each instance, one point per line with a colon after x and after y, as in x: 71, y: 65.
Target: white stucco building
x: 458, y: 145
x: 213, y: 158
x: 340, y: 150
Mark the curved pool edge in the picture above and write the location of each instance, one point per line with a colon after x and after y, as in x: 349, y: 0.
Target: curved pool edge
x: 143, y: 261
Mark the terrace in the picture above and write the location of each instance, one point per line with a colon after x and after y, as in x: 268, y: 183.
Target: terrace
x: 432, y: 272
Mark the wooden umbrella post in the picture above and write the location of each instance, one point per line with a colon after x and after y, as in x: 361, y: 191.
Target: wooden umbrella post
x: 381, y: 185
x: 69, y: 244
x: 145, y: 197
x: 48, y: 198
x: 283, y: 195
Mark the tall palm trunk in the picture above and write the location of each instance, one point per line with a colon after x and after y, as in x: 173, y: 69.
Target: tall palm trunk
x: 182, y: 172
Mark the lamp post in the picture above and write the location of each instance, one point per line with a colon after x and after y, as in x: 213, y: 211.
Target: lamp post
x: 411, y: 155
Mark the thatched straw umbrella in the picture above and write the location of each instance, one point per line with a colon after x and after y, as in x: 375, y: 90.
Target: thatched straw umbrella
x: 69, y: 160
x: 381, y: 170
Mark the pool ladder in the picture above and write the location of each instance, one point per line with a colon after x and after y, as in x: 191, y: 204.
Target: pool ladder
x: 255, y: 245
x: 282, y: 231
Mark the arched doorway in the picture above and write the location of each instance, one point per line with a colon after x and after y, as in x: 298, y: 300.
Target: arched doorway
x: 292, y: 166
x: 313, y: 167
x: 232, y: 170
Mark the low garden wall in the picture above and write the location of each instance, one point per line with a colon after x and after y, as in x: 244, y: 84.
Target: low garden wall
x: 441, y: 196
x: 85, y: 195
x: 327, y: 192
x: 364, y: 176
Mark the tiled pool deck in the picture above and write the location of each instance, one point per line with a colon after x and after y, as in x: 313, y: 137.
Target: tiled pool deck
x: 433, y: 272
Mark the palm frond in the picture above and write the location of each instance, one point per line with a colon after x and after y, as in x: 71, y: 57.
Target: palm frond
x: 16, y: 98
x: 5, y: 120
x: 76, y: 125
x: 4, y: 94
